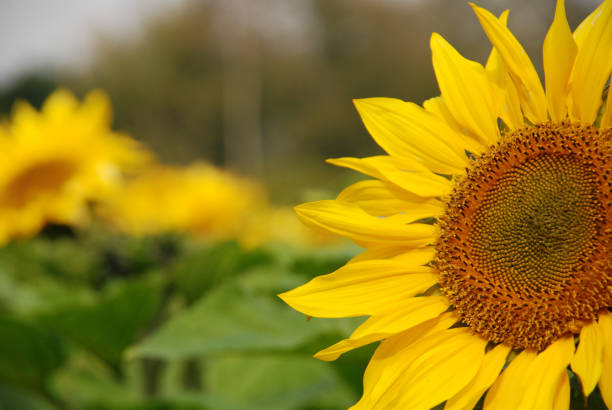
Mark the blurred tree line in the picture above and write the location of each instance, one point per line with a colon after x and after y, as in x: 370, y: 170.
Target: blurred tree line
x: 265, y: 87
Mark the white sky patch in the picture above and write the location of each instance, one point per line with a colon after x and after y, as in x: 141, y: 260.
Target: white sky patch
x: 42, y: 34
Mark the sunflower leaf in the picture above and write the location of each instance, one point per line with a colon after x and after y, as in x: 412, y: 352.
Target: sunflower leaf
x: 233, y: 319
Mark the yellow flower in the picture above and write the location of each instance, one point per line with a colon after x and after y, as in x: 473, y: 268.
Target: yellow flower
x: 279, y: 224
x: 56, y: 160
x: 487, y: 229
x: 199, y: 199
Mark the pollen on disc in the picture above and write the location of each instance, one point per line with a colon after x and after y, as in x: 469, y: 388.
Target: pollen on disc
x: 523, y: 248
x: 535, y: 224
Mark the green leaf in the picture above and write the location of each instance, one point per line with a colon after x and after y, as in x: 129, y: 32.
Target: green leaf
x: 30, y: 296
x: 125, y: 256
x: 204, y: 268
x: 61, y: 258
x: 233, y: 319
x: 84, y: 382
x: 267, y: 382
x: 270, y: 280
x: 107, y: 326
x: 15, y: 398
x: 322, y: 262
x: 275, y: 382
x: 351, y: 366
x: 28, y: 354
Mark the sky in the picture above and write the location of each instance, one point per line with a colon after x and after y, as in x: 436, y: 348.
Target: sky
x: 45, y: 33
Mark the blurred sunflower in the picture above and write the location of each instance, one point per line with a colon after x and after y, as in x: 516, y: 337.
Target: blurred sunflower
x: 488, y: 263
x: 57, y: 160
x: 279, y: 224
x: 199, y: 199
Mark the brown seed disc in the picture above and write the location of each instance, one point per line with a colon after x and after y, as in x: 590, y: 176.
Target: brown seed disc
x: 38, y: 180
x: 525, y: 250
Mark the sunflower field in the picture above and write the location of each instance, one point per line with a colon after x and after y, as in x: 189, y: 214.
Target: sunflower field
x: 170, y: 237
x: 127, y: 284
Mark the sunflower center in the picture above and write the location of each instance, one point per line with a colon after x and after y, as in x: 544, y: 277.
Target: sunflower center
x: 39, y: 180
x: 534, y: 225
x: 524, y: 247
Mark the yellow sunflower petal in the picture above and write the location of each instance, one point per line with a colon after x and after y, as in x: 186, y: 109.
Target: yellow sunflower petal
x: 346, y: 345
x: 414, y: 257
x: 349, y: 220
x: 592, y: 66
x: 382, y: 365
x: 360, y: 288
x: 440, y: 322
x: 406, y: 130
x: 408, y: 216
x: 405, y: 315
x: 60, y: 105
x: 466, y: 90
x: 378, y: 198
x: 25, y: 120
x: 606, y: 119
x: 426, y: 373
x: 585, y: 26
x: 96, y: 109
x: 413, y: 178
x: 587, y: 362
x: 492, y: 365
x: 505, y: 392
x: 580, y: 34
x: 510, y: 109
x: 425, y: 184
x: 438, y: 107
x: 542, y: 377
x: 562, y: 393
x: 605, y: 382
x: 531, y: 93
x: 369, y: 165
x: 509, y: 103
x: 559, y: 52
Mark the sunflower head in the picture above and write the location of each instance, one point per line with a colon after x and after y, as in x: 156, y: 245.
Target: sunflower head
x: 199, y: 199
x: 59, y: 159
x: 526, y: 232
x: 487, y: 229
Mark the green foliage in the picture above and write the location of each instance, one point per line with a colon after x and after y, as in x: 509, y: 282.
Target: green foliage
x: 96, y: 321
x: 12, y: 397
x: 231, y: 319
x: 272, y: 381
x: 198, y: 270
x: 114, y: 321
x: 29, y: 354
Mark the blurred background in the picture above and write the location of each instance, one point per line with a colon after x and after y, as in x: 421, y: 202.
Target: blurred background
x: 180, y: 316
x: 263, y: 87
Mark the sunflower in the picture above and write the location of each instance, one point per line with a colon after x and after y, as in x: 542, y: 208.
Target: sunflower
x: 57, y: 160
x: 487, y: 228
x: 199, y: 199
x: 278, y: 224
